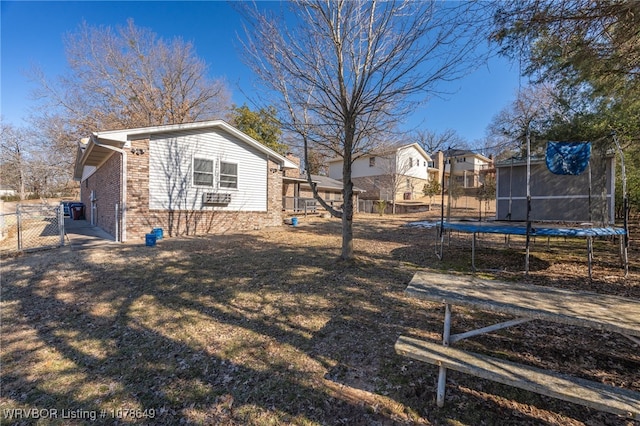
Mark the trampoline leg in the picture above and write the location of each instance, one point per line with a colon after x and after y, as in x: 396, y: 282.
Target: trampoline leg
x: 621, y: 252
x: 473, y: 253
x: 441, y: 238
x: 624, y: 258
x: 589, y: 254
x: 626, y: 262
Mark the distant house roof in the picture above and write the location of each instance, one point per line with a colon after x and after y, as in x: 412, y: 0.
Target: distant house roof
x: 322, y: 182
x: 391, y: 150
x: 465, y: 152
x: 7, y: 191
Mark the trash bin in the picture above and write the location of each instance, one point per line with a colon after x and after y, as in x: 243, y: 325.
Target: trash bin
x: 77, y: 211
x: 150, y: 240
x: 159, y: 233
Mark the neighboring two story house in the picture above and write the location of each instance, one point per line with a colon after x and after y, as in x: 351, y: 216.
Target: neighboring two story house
x: 399, y: 173
x: 469, y: 168
x: 192, y: 178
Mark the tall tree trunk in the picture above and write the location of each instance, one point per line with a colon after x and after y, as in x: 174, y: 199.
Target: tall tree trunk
x: 347, y: 216
x: 347, y: 193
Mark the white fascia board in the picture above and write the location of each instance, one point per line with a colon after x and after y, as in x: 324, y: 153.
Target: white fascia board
x: 417, y: 148
x: 127, y: 135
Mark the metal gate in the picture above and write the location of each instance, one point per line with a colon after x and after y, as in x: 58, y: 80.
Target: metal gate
x: 33, y: 227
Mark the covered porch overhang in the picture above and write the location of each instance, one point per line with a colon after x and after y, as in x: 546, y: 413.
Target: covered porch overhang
x: 298, y: 203
x: 93, y: 152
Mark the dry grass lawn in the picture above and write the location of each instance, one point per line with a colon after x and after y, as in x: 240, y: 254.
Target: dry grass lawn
x: 268, y: 328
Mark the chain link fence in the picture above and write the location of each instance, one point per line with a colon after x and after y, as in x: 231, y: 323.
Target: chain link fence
x: 31, y: 227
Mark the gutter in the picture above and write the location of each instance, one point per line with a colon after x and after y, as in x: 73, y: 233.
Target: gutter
x: 123, y: 189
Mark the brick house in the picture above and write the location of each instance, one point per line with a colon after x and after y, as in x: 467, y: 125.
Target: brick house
x: 191, y: 178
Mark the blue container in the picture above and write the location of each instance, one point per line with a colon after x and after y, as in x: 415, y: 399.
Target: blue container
x: 294, y: 221
x: 150, y: 240
x: 158, y: 232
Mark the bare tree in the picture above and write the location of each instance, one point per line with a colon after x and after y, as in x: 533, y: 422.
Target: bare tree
x: 345, y: 73
x: 396, y: 167
x: 30, y: 162
x: 431, y: 189
x: 14, y: 158
x: 433, y: 142
x: 55, y: 139
x: 118, y: 78
x: 127, y: 77
x: 455, y: 191
x: 533, y: 107
x: 316, y: 162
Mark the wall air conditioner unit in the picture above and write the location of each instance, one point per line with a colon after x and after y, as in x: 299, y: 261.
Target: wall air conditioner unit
x: 215, y: 198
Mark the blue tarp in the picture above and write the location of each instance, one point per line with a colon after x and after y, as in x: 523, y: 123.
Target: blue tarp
x: 568, y: 158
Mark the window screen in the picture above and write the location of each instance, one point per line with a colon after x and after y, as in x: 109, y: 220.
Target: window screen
x: 202, y: 172
x: 228, y: 175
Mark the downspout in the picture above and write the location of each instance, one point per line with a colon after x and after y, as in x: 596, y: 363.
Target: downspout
x: 123, y: 189
x: 267, y: 193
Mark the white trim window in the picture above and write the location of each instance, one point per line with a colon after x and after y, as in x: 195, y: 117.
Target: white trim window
x: 203, y: 172
x: 228, y: 175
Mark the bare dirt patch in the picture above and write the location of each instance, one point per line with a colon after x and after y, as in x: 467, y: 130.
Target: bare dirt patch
x: 270, y: 328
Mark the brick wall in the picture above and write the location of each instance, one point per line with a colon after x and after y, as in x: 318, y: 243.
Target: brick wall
x: 295, y: 173
x: 288, y: 189
x: 372, y: 186
x: 138, y: 221
x: 274, y: 195
x: 106, y: 184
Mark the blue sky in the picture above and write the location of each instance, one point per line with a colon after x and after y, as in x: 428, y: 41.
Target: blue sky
x: 32, y: 33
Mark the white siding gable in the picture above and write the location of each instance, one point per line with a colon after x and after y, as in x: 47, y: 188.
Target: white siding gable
x: 406, y: 161
x: 412, y: 163
x: 363, y: 167
x: 468, y: 161
x: 171, y: 185
x: 366, y: 167
x: 335, y: 170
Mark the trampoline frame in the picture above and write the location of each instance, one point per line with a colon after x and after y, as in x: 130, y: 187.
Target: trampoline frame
x: 531, y: 230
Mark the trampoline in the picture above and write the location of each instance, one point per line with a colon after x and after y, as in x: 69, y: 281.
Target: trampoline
x: 548, y: 230
x: 562, y: 158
